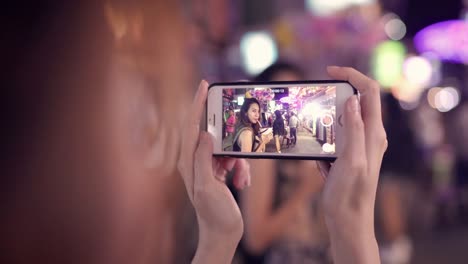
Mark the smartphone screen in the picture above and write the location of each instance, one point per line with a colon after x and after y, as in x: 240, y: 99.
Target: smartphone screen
x: 278, y: 119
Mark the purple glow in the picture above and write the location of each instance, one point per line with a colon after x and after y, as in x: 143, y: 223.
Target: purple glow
x: 448, y: 40
x: 287, y: 100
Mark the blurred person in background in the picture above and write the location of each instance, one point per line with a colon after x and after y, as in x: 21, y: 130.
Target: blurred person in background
x: 212, y: 28
x: 458, y: 130
x: 231, y: 123
x: 398, y: 178
x: 283, y: 218
x: 293, y: 126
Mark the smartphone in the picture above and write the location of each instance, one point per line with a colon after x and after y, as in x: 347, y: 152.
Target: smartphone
x: 278, y: 120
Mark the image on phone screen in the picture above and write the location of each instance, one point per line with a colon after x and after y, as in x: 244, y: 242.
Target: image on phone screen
x: 286, y: 120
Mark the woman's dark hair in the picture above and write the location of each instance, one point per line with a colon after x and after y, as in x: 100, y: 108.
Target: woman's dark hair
x: 278, y: 115
x: 401, y: 153
x: 269, y: 73
x: 244, y: 119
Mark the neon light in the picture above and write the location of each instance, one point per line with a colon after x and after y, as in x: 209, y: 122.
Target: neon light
x: 448, y: 40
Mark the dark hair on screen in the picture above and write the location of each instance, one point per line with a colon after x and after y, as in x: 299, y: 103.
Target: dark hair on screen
x: 281, y: 66
x: 278, y: 115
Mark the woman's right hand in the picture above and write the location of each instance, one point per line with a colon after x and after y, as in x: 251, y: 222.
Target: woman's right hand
x: 351, y: 182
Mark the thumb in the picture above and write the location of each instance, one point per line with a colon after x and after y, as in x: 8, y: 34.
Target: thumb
x: 351, y: 161
x: 203, y: 160
x: 354, y: 137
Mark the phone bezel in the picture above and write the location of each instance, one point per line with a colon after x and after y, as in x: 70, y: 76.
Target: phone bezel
x: 216, y: 130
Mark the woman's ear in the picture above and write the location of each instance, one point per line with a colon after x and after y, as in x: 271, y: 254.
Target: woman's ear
x: 158, y: 134
x: 116, y: 21
x: 148, y: 129
x: 162, y: 143
x: 124, y: 22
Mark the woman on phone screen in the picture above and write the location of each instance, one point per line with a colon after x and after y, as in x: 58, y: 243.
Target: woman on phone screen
x: 247, y: 134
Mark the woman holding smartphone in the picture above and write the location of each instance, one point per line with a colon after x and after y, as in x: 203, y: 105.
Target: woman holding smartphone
x: 350, y: 185
x: 247, y: 134
x: 100, y: 158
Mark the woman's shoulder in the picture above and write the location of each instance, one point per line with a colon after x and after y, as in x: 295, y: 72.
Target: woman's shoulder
x: 246, y: 131
x: 241, y: 130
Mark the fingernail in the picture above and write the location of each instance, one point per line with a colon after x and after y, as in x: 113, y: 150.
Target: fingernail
x: 204, y: 138
x: 354, y: 106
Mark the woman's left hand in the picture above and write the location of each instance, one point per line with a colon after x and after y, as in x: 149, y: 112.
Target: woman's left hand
x: 267, y: 138
x: 219, y: 218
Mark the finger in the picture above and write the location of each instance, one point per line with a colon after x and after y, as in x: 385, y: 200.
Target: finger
x: 324, y: 168
x: 368, y: 89
x: 193, y: 119
x: 228, y: 163
x: 351, y: 164
x: 198, y: 104
x: 203, y: 162
x: 354, y: 139
x: 218, y: 168
x: 220, y: 172
x: 371, y: 112
x: 242, y: 174
x: 191, y: 129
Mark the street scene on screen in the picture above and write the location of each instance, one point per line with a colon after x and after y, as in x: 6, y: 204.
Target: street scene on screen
x: 295, y: 119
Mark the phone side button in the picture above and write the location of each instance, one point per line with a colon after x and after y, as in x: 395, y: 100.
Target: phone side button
x: 339, y: 120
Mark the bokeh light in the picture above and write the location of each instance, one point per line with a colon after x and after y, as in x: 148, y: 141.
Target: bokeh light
x: 387, y: 62
x: 446, y: 39
x: 326, y: 7
x: 436, y: 65
x: 446, y: 99
x: 431, y: 95
x: 409, y: 105
x: 258, y: 50
x: 407, y: 93
x: 418, y: 70
x: 395, y: 29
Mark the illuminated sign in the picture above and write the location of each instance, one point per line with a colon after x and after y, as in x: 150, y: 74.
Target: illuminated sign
x: 447, y: 40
